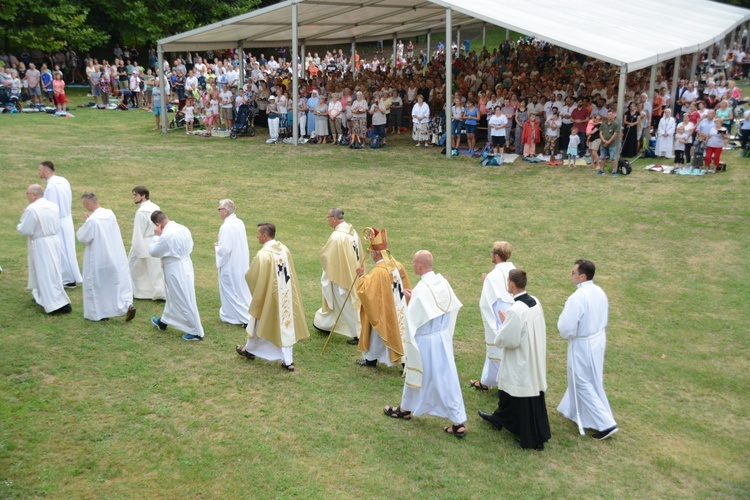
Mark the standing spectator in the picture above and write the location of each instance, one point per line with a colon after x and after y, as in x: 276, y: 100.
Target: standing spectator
x: 40, y: 223
x: 457, y: 123
x: 334, y: 117
x: 107, y: 286
x: 420, y: 115
x: 47, y: 87
x: 665, y: 135
x: 717, y: 139
x: 33, y: 80
x: 233, y: 261
x: 531, y: 136
x: 583, y: 323
x: 227, y: 105
x: 397, y: 111
x: 552, y: 132
x: 471, y: 117
x: 273, y: 119
x: 497, y: 124
x: 608, y: 132
x: 58, y: 87
x: 321, y: 120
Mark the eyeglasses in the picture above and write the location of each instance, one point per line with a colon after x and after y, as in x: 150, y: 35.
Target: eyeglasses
x: 574, y: 272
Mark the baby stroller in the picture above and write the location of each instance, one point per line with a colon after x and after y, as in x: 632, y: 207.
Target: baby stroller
x: 243, y: 122
x: 179, y: 121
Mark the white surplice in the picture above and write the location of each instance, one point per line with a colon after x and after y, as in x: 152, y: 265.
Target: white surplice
x: 58, y: 191
x: 145, y: 271
x: 107, y: 288
x: 40, y: 223
x: 431, y: 384
x: 665, y: 144
x: 173, y: 247
x: 583, y: 323
x: 233, y: 261
x: 495, y: 296
x: 523, y: 338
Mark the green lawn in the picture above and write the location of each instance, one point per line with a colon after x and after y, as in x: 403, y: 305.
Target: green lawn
x: 122, y: 410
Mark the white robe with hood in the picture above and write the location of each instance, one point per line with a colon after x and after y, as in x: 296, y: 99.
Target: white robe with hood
x: 58, y: 191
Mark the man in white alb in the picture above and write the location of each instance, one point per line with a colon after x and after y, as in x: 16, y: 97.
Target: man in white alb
x: 340, y: 258
x: 58, y: 192
x: 495, y: 297
x: 233, y: 261
x: 583, y: 323
x: 146, y: 272
x: 431, y: 385
x: 173, y: 244
x: 40, y: 223
x: 107, y: 287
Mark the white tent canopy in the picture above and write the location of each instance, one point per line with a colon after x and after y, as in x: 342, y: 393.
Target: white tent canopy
x: 631, y: 34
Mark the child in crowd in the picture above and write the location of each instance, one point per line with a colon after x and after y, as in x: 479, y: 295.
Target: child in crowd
x: 531, y: 135
x: 573, y: 142
x: 457, y: 113
x: 680, y: 139
x: 189, y: 110
x: 552, y: 132
x: 208, y: 120
x: 58, y: 87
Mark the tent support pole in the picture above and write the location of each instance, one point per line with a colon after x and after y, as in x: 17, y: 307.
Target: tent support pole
x: 693, y: 66
x: 163, y: 115
x: 675, y: 77
x: 507, y: 34
x: 458, y: 40
x: 620, y: 109
x: 354, y: 59
x: 484, y: 35
x: 241, y: 65
x: 429, y: 32
x: 652, y: 84
x: 295, y: 77
x: 303, y: 51
x: 393, y: 57
x: 448, y: 78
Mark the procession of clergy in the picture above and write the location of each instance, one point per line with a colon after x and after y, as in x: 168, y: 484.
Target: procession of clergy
x: 390, y: 322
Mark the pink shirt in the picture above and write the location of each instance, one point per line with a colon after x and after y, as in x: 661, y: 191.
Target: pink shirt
x: 58, y: 86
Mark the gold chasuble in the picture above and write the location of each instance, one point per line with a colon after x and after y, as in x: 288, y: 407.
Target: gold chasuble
x: 276, y: 302
x: 340, y: 258
x: 378, y: 292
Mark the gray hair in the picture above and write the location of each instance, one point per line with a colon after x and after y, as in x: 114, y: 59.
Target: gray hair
x: 227, y: 204
x: 337, y: 212
x: 36, y: 190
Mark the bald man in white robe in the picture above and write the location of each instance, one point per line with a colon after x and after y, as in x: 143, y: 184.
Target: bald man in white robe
x: 40, y: 223
x: 107, y: 287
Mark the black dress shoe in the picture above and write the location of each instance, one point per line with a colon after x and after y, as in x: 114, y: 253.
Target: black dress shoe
x: 66, y: 309
x: 353, y: 341
x: 489, y: 417
x: 367, y: 362
x: 605, y: 433
x: 70, y: 285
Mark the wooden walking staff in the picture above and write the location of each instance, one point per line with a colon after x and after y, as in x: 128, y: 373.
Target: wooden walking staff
x: 367, y: 234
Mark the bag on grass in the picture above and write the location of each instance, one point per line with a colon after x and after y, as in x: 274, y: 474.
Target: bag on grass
x: 356, y: 143
x: 375, y: 142
x: 486, y: 150
x: 345, y: 140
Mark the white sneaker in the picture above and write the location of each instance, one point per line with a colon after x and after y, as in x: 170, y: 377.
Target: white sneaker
x: 418, y: 144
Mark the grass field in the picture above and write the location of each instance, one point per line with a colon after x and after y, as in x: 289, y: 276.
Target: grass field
x: 120, y: 410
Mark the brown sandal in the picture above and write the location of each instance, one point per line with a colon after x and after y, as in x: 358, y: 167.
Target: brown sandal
x: 397, y: 412
x: 476, y: 384
x: 289, y: 367
x: 455, y: 429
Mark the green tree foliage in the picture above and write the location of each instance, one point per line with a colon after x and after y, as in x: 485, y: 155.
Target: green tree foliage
x: 48, y: 25
x: 87, y: 24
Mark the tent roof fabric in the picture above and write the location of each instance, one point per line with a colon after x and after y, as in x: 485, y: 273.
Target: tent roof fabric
x: 631, y: 33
